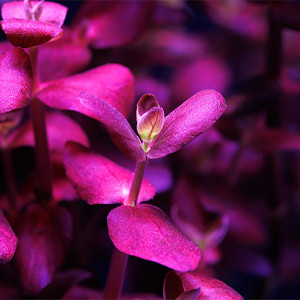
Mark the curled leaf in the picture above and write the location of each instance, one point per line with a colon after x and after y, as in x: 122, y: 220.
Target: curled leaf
x: 97, y: 180
x: 147, y: 232
x: 150, y: 118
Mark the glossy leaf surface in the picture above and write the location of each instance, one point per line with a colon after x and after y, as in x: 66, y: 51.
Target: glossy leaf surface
x: 15, y: 80
x: 112, y: 83
x: 97, y: 180
x: 118, y: 127
x: 147, y: 232
x: 44, y: 237
x: 8, y: 240
x: 187, y: 122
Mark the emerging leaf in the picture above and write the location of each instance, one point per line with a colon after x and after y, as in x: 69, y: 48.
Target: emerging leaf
x: 15, y: 80
x: 147, y: 232
x: 150, y: 118
x: 52, y: 12
x: 44, y: 238
x: 97, y: 180
x: 8, y: 240
x: 187, y: 122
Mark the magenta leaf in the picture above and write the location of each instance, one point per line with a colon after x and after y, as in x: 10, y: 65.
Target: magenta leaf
x: 270, y: 140
x: 62, y: 282
x: 172, y: 286
x: 8, y: 240
x: 29, y: 33
x: 97, y: 180
x: 52, y: 12
x: 190, y: 295
x: 15, y: 80
x: 147, y: 232
x: 186, y: 122
x: 113, y: 24
x: 112, y: 83
x: 210, y: 288
x: 57, y: 134
x: 44, y: 238
x: 118, y: 127
x: 62, y: 63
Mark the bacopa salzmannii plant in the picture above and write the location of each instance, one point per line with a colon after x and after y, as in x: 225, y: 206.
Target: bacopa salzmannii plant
x: 178, y: 195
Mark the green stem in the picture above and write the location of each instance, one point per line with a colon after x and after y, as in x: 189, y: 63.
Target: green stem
x: 119, y: 259
x: 42, y: 154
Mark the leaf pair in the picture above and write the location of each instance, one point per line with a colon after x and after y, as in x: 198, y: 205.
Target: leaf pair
x: 180, y: 127
x: 144, y: 231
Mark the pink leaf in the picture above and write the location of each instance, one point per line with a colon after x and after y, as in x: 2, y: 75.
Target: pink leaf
x: 52, y: 12
x: 112, y: 83
x: 172, y: 286
x: 29, y: 33
x: 62, y: 63
x: 62, y: 282
x: 118, y: 127
x: 15, y: 80
x: 8, y: 240
x: 270, y: 140
x: 147, y: 232
x: 112, y: 24
x: 44, y: 238
x: 98, y: 180
x: 210, y: 288
x: 57, y: 134
x: 186, y: 122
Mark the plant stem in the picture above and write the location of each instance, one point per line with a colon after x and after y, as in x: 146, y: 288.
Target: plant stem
x: 116, y: 274
x: 136, y: 184
x: 43, y: 163
x: 9, y: 174
x: 119, y: 259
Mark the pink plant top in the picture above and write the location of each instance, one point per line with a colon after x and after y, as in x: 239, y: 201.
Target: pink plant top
x: 32, y: 23
x: 160, y: 135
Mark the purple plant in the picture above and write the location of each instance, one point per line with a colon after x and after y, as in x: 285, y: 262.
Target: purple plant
x: 217, y: 206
